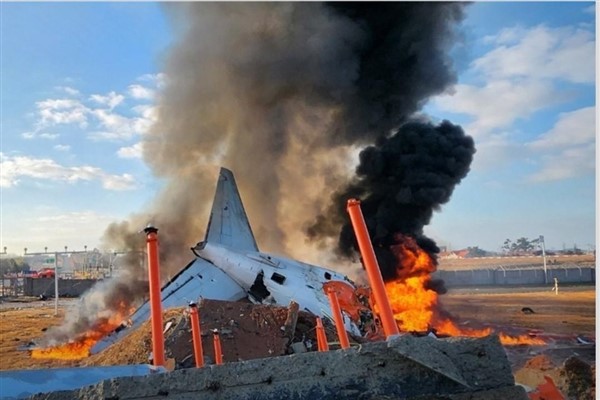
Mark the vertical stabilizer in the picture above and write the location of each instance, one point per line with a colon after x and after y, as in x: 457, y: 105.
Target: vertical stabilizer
x: 228, y: 224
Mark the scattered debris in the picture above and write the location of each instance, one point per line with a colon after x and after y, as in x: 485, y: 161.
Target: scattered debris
x: 585, y: 340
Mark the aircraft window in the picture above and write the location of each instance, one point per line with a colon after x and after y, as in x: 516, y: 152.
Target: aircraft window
x: 327, y: 275
x: 278, y: 278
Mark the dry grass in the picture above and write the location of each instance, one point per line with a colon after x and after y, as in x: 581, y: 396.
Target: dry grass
x: 571, y: 312
x: 474, y: 263
x: 18, y: 327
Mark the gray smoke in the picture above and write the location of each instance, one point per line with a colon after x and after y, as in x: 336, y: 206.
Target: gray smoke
x: 283, y: 94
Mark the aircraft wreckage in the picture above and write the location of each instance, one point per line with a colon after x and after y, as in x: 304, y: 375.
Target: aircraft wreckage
x: 229, y: 266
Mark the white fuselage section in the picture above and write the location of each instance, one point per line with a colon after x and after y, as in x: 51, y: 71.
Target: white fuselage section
x: 285, y: 279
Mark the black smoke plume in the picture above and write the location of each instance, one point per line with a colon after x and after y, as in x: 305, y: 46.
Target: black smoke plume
x: 401, y: 180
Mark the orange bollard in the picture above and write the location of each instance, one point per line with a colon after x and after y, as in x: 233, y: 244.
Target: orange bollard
x: 158, y: 340
x: 322, y: 344
x: 217, y: 344
x: 368, y: 254
x: 338, y: 318
x: 195, y: 321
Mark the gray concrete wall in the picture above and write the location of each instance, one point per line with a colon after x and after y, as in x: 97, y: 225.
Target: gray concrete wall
x: 66, y: 287
x: 405, y: 367
x: 517, y: 276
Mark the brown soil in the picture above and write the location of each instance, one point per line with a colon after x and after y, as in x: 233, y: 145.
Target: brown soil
x: 21, y: 325
x: 246, y: 331
x: 571, y: 312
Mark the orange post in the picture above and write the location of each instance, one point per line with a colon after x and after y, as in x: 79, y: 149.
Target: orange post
x: 321, y: 336
x: 338, y: 318
x: 158, y: 340
x: 217, y: 344
x: 374, y: 274
x: 195, y: 321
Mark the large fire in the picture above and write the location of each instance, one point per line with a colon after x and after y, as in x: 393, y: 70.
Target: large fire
x: 80, y: 347
x: 415, y: 305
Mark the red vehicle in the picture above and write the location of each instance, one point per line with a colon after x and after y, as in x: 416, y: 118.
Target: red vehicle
x: 45, y: 273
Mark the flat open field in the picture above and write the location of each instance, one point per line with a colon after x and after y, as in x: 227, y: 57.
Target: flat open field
x: 487, y: 262
x: 570, y: 313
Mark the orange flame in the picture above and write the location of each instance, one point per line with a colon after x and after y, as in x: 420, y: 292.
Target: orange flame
x: 80, y: 347
x: 415, y: 305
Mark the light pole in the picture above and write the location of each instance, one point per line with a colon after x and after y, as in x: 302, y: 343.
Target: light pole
x: 544, y: 258
x: 56, y: 282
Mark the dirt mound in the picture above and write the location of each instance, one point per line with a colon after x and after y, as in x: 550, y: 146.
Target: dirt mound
x: 247, y: 331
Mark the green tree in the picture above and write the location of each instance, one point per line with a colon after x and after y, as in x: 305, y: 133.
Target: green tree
x: 507, y: 246
x: 476, y: 252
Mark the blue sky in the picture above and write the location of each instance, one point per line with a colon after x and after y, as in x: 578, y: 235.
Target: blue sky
x: 78, y: 87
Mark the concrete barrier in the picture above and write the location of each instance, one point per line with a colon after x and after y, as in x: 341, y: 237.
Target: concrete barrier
x: 404, y: 367
x: 515, y: 276
x: 66, y: 287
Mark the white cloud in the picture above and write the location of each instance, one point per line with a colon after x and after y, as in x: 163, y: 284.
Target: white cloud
x: 62, y: 147
x: 572, y: 129
x: 111, y: 100
x: 565, y: 53
x: 49, y: 136
x: 140, y: 92
x: 115, y: 123
x: 497, y: 151
x: 95, y: 114
x: 119, y: 182
x: 43, y: 135
x: 134, y: 151
x: 498, y: 103
x: 13, y: 169
x: 568, y: 163
x: 61, y: 111
x: 118, y: 127
x: 68, y: 90
x: 568, y: 149
x: 590, y: 9
x: 158, y: 80
x: 526, y: 73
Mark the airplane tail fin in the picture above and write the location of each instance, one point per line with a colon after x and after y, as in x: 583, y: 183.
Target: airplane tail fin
x: 228, y: 224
